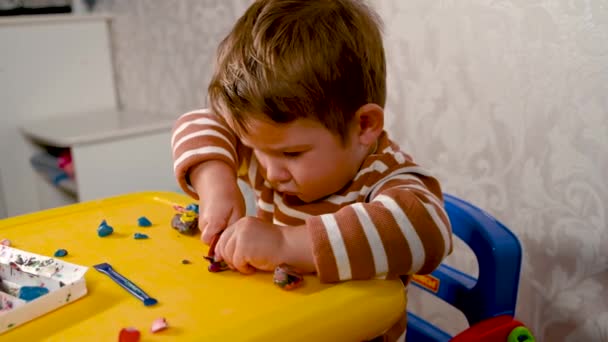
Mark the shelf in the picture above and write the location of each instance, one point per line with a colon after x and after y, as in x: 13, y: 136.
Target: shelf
x: 92, y: 127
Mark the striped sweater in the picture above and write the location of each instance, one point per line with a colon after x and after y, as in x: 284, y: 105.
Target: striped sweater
x: 388, y: 221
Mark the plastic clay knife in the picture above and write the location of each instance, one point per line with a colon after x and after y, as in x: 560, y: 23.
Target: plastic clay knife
x: 128, y: 285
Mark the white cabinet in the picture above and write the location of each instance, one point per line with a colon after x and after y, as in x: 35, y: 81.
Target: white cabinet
x: 57, y: 65
x: 49, y: 65
x: 113, y: 152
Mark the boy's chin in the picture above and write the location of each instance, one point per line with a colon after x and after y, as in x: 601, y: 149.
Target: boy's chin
x: 299, y: 197
x: 308, y: 198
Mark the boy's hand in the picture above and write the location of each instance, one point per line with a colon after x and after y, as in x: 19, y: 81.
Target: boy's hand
x: 251, y: 244
x: 221, y: 202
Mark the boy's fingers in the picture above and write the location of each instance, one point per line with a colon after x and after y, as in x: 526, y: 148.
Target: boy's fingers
x: 245, y: 269
x: 203, y: 225
x: 234, y: 217
x: 213, y: 226
x: 217, y: 254
x: 243, y: 266
x: 235, y: 214
x: 222, y: 247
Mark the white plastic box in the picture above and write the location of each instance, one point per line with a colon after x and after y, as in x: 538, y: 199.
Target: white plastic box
x: 65, y: 282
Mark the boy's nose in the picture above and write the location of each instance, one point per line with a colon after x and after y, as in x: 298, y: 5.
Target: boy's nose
x: 276, y: 174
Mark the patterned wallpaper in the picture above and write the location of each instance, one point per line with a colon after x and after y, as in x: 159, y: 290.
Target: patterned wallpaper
x: 505, y: 99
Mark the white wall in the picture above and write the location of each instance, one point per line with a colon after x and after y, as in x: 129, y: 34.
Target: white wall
x: 508, y: 102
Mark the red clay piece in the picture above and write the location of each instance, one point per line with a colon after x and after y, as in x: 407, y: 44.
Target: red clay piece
x: 129, y: 334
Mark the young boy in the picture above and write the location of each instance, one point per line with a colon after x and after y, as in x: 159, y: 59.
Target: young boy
x: 297, y: 103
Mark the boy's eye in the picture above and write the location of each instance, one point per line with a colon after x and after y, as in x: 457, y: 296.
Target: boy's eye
x: 292, y: 154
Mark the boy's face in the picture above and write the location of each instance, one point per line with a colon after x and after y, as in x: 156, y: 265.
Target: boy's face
x: 303, y: 158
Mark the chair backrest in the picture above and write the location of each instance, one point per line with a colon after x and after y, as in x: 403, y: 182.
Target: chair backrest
x: 498, y: 253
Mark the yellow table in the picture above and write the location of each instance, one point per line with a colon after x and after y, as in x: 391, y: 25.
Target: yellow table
x: 198, y: 305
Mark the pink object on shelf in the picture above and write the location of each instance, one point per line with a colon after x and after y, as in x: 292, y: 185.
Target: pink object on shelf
x: 64, y: 161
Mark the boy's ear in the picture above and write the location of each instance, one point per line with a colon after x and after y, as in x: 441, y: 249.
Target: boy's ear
x: 369, y: 119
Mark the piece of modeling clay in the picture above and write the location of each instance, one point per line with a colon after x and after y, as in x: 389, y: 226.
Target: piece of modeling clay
x: 192, y: 207
x: 128, y: 285
x: 104, y: 229
x: 159, y: 324
x: 140, y: 236
x: 215, y: 266
x: 287, y: 278
x: 143, y: 222
x: 29, y: 293
x: 129, y: 334
x: 5, y: 242
x: 186, y: 220
x: 60, y: 253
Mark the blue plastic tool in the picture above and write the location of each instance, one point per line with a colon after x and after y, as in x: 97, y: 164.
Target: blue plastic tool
x: 128, y: 285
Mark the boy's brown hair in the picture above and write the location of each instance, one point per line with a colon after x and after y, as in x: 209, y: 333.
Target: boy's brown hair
x: 290, y: 59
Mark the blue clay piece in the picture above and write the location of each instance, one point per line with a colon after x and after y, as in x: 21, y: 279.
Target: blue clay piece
x: 139, y: 236
x: 29, y: 293
x: 144, y: 222
x: 61, y: 253
x: 192, y: 207
x: 104, y: 229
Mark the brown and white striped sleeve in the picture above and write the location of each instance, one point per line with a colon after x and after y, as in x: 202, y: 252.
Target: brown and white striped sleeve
x: 199, y: 136
x: 403, y: 230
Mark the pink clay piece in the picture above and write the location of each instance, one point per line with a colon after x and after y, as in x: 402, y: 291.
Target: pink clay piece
x: 159, y: 324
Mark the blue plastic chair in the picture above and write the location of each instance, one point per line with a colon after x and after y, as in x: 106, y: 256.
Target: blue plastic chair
x: 493, y: 294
